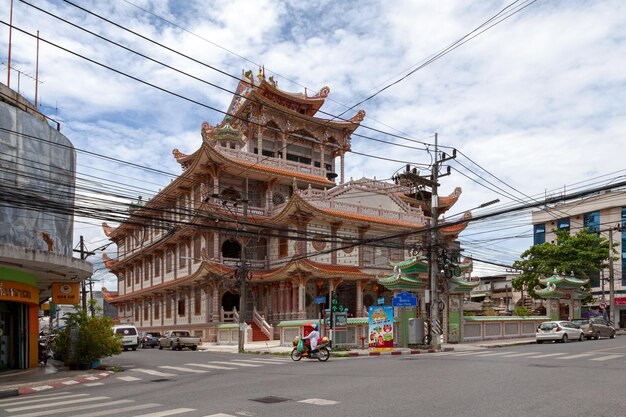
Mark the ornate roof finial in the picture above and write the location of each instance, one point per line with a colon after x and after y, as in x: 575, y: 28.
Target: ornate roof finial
x: 261, y: 75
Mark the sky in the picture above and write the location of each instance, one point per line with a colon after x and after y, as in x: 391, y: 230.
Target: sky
x: 534, y: 104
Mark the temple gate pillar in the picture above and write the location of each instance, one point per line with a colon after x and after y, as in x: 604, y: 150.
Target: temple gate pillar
x: 359, y: 299
x: 287, y: 299
x: 215, y: 313
x: 342, y: 156
x: 301, y: 299
x: 281, y: 299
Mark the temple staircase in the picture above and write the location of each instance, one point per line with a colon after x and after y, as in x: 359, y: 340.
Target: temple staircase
x: 257, y: 334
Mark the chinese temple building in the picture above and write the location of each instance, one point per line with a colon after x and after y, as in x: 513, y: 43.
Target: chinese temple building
x: 265, y: 199
x: 564, y: 294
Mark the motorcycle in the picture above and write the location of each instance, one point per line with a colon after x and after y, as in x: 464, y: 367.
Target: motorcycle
x: 44, y: 352
x: 322, y: 352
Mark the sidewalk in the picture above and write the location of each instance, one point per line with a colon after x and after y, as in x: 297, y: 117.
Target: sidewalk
x: 55, y: 375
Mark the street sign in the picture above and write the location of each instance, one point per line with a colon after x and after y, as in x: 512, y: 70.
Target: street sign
x: 404, y: 299
x: 336, y: 307
x: 602, y: 305
x: 319, y: 300
x: 340, y: 321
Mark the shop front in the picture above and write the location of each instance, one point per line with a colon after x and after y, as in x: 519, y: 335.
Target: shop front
x: 19, y: 324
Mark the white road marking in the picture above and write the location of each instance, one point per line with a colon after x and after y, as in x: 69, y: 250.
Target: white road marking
x: 264, y: 362
x: 112, y: 412
x: 39, y: 399
x: 28, y: 398
x: 50, y: 405
x: 208, y: 366
x: 42, y: 387
x: 168, y: 412
x: 128, y: 378
x: 71, y: 382
x: 180, y: 368
x: 606, y: 358
x: 319, y: 401
x: 547, y: 355
x: 94, y: 384
x: 221, y: 415
x: 495, y: 354
x: 151, y: 372
x: 76, y: 408
x: 235, y: 363
x: 519, y: 354
x: 582, y: 355
x: 480, y: 352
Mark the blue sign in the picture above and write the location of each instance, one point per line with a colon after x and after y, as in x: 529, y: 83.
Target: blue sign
x: 319, y: 300
x: 404, y: 299
x: 381, y: 301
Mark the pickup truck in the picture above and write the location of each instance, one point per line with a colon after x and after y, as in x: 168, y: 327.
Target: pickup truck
x: 178, y: 339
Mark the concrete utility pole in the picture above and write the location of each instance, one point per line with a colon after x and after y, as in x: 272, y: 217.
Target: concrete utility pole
x: 84, y: 253
x: 611, y: 279
x: 243, y: 274
x: 434, y: 266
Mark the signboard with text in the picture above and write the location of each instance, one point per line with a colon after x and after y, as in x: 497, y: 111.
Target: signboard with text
x: 404, y: 299
x: 18, y: 292
x: 65, y: 293
x: 380, y: 327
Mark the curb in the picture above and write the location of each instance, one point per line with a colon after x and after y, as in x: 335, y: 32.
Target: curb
x: 79, y: 379
x: 385, y: 353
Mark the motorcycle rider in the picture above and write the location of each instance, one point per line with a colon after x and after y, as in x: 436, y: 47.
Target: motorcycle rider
x: 312, y: 337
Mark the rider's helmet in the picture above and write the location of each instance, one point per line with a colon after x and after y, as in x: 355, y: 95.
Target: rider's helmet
x: 314, y: 327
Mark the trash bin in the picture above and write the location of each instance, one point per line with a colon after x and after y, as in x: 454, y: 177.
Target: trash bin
x: 416, y: 331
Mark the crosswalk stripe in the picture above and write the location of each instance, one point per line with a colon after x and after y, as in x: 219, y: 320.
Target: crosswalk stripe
x: 515, y: 355
x: 75, y: 408
x: 27, y: 398
x: 128, y: 378
x: 70, y: 382
x: 168, y: 412
x: 151, y: 372
x: 94, y: 384
x: 480, y: 352
x: 606, y: 358
x: 221, y: 415
x: 50, y: 405
x: 180, y: 368
x: 37, y: 399
x: 259, y: 360
x: 547, y: 355
x: 112, y: 412
x: 235, y: 363
x: 582, y: 355
x: 319, y: 401
x: 42, y: 387
x: 494, y: 354
x: 202, y: 365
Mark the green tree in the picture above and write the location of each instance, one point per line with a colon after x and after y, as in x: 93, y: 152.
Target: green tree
x: 581, y: 254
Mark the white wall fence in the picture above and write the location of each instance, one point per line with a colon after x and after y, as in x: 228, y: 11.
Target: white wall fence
x: 477, y: 328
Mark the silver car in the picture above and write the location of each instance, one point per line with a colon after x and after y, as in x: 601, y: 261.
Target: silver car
x: 559, y: 331
x: 596, y: 327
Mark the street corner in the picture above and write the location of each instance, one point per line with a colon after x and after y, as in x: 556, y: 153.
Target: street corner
x: 30, y: 388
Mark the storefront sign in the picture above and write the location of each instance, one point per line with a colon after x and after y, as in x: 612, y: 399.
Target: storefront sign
x: 65, y: 293
x: 380, y: 327
x: 16, y: 291
x: 620, y: 300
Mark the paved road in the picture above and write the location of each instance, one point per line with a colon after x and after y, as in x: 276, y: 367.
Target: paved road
x: 573, y: 379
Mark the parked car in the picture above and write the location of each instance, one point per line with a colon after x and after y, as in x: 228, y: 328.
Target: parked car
x: 559, y: 331
x: 129, y: 336
x: 149, y: 339
x: 179, y: 339
x: 596, y: 327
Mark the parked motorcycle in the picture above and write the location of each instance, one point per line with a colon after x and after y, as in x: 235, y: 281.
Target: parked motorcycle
x: 44, y: 351
x: 322, y: 352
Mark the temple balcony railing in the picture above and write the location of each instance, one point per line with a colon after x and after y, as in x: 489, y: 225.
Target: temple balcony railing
x: 251, y: 263
x: 273, y: 162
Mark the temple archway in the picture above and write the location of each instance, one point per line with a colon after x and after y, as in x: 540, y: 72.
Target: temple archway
x: 230, y: 301
x: 231, y: 249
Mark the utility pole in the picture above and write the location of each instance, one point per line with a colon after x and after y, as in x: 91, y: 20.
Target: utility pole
x: 244, y: 277
x: 434, y: 266
x: 611, y: 279
x: 84, y: 253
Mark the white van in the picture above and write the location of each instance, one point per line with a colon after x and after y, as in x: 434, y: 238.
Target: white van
x: 130, y: 336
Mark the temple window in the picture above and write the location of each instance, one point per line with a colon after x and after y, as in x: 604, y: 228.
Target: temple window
x: 231, y: 249
x: 181, y: 307
x: 197, y: 248
x: 148, y: 271
x: 136, y: 312
x: 168, y: 261
x: 231, y: 194
x: 155, y: 307
x: 146, y: 315
x: 137, y: 274
x: 182, y: 254
x: 197, y: 301
x: 157, y: 266
x: 283, y: 248
x: 168, y: 307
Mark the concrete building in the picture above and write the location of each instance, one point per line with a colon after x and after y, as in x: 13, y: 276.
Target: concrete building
x: 604, y: 213
x: 37, y: 177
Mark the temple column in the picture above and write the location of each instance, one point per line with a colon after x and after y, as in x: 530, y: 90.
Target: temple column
x: 301, y: 299
x: 176, y: 295
x: 342, y: 158
x: 359, y: 299
x: 322, y: 161
x: 215, y: 313
x: 284, y: 147
x: 276, y: 287
x: 162, y: 309
x: 260, y: 138
x: 334, y: 227
x: 281, y: 299
x: 151, y: 310
x: 207, y: 303
x: 191, y: 296
x: 287, y: 300
x: 294, y: 301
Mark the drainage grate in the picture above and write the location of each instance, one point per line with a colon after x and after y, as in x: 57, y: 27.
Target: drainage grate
x: 160, y: 380
x: 269, y: 400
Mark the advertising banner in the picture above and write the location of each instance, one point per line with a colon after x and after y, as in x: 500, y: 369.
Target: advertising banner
x: 65, y: 293
x: 380, y: 328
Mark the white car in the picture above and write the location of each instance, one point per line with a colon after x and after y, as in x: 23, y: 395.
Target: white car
x: 559, y: 331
